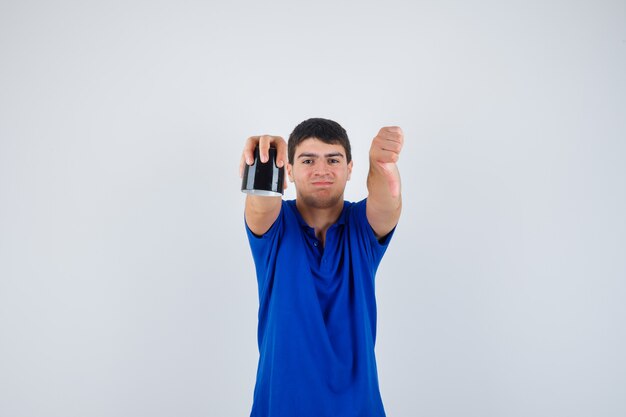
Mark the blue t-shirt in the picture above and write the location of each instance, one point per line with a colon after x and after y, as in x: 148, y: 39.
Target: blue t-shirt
x: 317, y: 317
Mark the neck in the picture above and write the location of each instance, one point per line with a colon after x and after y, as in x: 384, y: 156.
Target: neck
x: 320, y: 219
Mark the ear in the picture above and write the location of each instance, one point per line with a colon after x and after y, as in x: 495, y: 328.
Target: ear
x: 349, y: 170
x: 290, y: 171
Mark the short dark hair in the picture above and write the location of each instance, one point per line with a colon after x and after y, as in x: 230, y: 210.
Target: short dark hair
x: 325, y: 130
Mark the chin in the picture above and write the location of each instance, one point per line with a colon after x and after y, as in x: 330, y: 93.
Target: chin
x: 321, y: 201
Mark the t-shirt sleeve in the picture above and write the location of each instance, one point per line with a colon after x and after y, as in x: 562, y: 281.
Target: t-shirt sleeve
x: 374, y: 247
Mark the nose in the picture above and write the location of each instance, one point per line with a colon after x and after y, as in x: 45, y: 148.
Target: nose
x: 321, y: 170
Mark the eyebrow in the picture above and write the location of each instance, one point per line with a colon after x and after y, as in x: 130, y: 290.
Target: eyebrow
x: 314, y: 155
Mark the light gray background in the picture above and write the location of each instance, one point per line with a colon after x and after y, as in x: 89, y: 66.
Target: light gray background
x: 126, y: 282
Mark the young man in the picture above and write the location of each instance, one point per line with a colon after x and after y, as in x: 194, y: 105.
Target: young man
x: 316, y: 259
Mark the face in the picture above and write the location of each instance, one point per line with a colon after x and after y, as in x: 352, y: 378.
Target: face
x: 320, y: 172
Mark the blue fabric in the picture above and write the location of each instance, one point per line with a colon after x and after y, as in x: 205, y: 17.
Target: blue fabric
x: 317, y: 317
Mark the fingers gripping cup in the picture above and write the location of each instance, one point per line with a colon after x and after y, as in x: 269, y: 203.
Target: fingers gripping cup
x: 263, y: 178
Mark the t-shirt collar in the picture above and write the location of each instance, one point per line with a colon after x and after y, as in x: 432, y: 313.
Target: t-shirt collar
x: 340, y: 221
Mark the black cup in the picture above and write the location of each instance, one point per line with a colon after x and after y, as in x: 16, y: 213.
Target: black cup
x: 263, y: 178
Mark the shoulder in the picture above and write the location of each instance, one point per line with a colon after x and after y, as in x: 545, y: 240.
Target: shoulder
x: 356, y: 213
x: 355, y: 209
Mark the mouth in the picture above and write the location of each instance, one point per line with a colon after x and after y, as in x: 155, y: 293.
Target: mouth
x: 322, y: 184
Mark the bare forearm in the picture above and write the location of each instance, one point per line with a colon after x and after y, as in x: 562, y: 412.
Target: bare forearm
x: 384, y: 200
x: 262, y: 205
x: 384, y: 187
x: 261, y: 212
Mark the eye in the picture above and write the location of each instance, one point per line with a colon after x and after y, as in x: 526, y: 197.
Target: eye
x: 333, y: 161
x: 307, y: 161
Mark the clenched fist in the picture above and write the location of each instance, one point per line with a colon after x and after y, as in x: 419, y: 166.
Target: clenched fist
x: 386, y: 147
x: 384, y: 153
